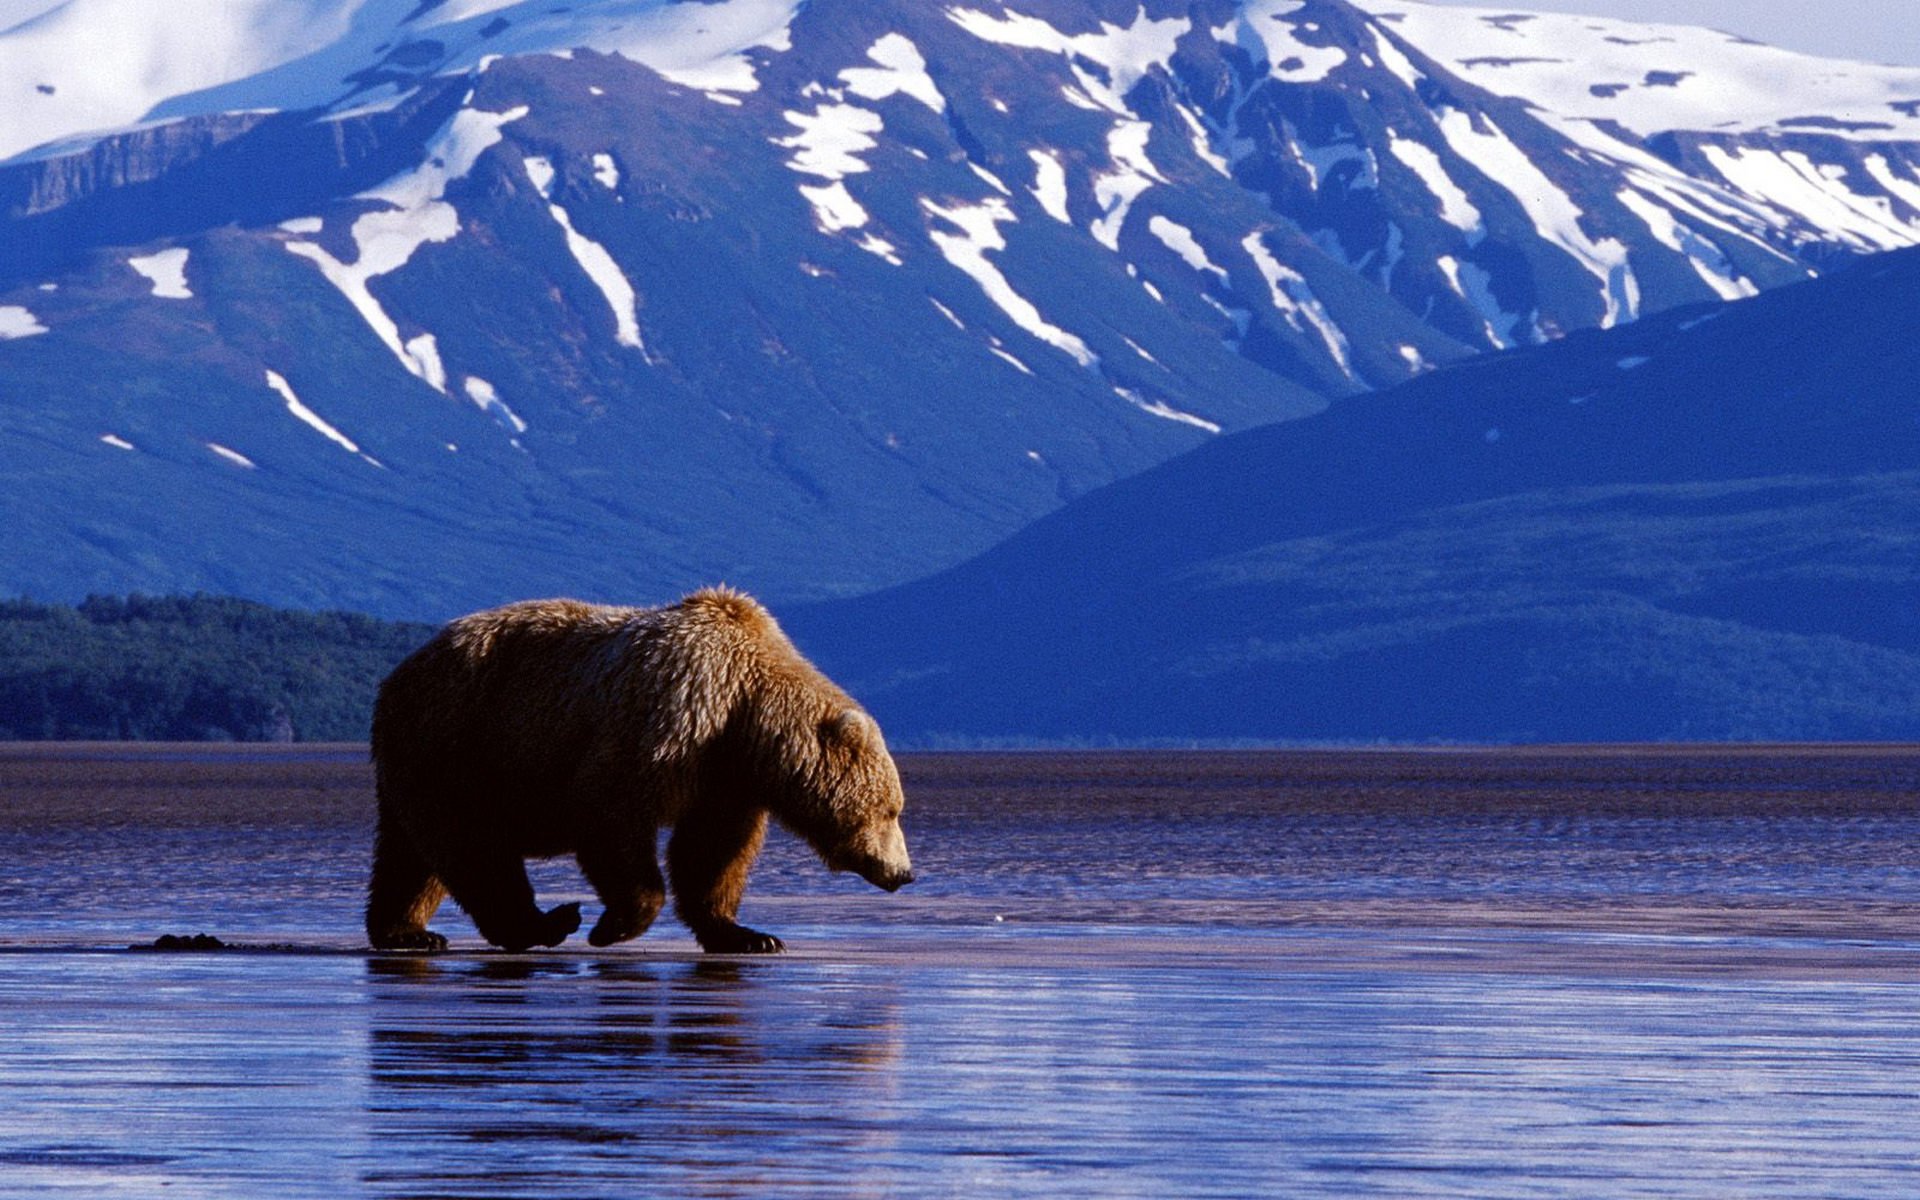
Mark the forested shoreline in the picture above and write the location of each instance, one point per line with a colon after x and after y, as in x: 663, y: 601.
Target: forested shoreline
x: 191, y: 668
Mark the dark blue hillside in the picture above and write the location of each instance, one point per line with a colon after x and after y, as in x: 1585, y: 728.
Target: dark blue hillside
x: 1706, y: 525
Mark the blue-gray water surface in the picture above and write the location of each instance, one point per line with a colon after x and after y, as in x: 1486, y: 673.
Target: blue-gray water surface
x: 1582, y: 973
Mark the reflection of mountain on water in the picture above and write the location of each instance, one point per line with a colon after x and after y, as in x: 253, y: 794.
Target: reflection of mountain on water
x: 670, y: 1065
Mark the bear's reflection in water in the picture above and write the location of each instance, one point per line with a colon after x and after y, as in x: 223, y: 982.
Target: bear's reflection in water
x: 488, y: 1071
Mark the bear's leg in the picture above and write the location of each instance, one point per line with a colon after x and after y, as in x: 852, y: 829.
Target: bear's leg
x: 491, y: 885
x: 628, y: 881
x: 709, y: 856
x: 403, y: 893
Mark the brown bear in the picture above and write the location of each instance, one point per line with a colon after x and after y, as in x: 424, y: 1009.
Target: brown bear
x: 556, y: 727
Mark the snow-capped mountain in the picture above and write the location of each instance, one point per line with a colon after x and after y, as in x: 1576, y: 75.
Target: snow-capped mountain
x: 415, y: 304
x: 1703, y: 526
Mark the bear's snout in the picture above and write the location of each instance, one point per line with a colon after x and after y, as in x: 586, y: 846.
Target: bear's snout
x: 889, y: 876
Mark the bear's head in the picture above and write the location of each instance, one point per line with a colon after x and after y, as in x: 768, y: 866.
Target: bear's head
x: 848, y: 806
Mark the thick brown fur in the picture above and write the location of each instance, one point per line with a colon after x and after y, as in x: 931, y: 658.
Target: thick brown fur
x: 556, y: 727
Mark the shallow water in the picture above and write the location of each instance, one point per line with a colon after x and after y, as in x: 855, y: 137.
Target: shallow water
x: 1598, y: 974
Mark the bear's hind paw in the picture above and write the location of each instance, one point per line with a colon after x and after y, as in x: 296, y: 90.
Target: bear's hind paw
x: 411, y: 939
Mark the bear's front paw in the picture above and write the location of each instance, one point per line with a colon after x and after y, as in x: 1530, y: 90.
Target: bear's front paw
x: 738, y: 939
x: 558, y: 924
x: 612, y: 928
x: 411, y: 939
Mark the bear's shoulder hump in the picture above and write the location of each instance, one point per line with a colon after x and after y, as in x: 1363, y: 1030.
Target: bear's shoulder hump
x: 730, y: 605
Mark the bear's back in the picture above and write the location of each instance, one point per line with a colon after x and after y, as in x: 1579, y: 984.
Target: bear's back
x: 509, y: 675
x: 533, y: 684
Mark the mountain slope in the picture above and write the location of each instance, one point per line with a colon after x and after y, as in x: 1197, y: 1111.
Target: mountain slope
x: 492, y: 297
x: 1700, y: 526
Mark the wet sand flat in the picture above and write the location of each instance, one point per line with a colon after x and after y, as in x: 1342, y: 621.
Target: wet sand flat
x: 1549, y: 972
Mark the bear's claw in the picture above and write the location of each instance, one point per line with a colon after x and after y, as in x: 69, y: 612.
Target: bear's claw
x: 412, y: 939
x: 738, y: 939
x: 609, y: 929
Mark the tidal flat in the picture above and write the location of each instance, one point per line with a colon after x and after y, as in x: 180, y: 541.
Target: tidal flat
x: 1618, y: 972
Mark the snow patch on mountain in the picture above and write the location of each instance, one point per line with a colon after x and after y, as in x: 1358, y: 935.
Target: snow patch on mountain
x: 230, y: 455
x: 1265, y: 32
x: 1474, y: 284
x: 18, y: 322
x: 901, y: 71
x: 1398, y: 64
x: 834, y: 208
x: 1179, y: 239
x: 1000, y: 353
x: 166, y: 270
x: 1165, y: 411
x: 1791, y: 181
x: 1554, y: 214
x: 1201, y: 138
x: 1456, y: 209
x: 540, y: 173
x: 1708, y: 260
x: 1297, y: 303
x: 880, y: 248
x: 594, y: 259
x: 448, y: 12
x: 707, y: 46
x: 1125, y: 52
x: 1908, y: 189
x: 1116, y: 190
x: 1322, y: 162
x: 1729, y: 213
x: 829, y: 145
x: 487, y: 399
x: 311, y: 419
x: 1050, y: 184
x: 92, y: 67
x: 1652, y: 78
x: 418, y: 216
x: 979, y: 233
x: 831, y: 139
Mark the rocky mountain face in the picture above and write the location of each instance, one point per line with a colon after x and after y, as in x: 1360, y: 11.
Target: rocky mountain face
x: 415, y: 305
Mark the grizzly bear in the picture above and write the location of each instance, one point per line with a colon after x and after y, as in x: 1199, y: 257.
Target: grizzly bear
x: 555, y: 727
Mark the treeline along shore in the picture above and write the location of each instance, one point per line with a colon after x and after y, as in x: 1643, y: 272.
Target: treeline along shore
x: 219, y: 669
x: 191, y: 668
